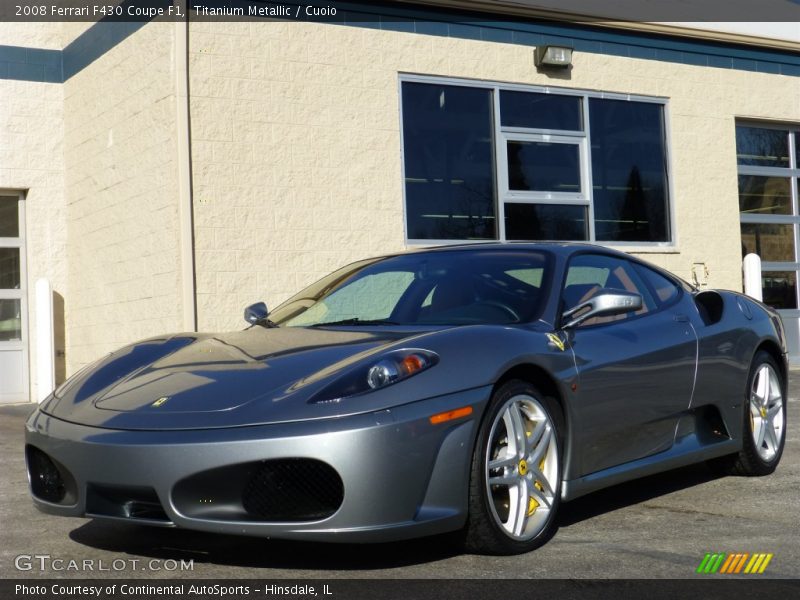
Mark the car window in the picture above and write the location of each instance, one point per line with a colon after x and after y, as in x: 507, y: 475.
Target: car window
x: 426, y: 288
x: 589, y: 274
x: 665, y: 290
x: 372, y: 297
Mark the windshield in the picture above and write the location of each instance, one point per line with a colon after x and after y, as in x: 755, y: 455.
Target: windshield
x: 435, y: 288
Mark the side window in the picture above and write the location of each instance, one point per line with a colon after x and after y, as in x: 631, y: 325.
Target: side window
x: 588, y: 274
x: 665, y: 290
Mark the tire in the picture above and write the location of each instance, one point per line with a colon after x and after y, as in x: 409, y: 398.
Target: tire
x: 764, y: 422
x: 526, y: 472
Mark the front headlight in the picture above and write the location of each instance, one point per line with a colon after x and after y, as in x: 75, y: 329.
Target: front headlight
x: 396, y: 368
x: 391, y: 368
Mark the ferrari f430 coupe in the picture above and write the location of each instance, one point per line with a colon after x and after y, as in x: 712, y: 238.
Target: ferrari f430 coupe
x: 465, y: 388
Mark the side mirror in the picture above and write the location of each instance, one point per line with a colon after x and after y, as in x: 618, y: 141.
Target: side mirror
x: 255, y: 312
x: 606, y: 302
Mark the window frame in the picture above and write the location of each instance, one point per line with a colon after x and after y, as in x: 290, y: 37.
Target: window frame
x: 792, y: 173
x: 582, y: 138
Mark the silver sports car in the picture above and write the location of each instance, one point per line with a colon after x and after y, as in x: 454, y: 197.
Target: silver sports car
x: 465, y: 388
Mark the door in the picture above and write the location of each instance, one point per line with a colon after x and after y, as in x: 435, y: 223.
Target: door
x: 636, y: 371
x: 13, y: 300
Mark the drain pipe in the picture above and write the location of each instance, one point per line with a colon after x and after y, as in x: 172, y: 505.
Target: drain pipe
x: 185, y: 200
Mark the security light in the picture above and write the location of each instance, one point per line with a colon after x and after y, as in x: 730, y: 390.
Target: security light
x: 552, y: 56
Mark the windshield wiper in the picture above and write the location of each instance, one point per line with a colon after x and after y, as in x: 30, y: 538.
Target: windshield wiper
x: 356, y: 321
x: 265, y: 322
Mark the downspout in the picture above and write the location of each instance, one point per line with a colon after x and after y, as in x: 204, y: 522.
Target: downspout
x: 185, y: 200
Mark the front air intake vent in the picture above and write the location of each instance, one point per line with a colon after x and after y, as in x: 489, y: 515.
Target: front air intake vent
x: 293, y: 489
x: 125, y: 502
x: 50, y: 481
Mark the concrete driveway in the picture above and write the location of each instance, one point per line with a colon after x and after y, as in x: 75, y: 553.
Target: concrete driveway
x: 661, y: 526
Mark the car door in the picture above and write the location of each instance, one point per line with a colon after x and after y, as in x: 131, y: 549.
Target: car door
x: 636, y: 370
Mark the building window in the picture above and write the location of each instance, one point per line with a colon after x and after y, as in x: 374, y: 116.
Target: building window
x: 769, y: 183
x: 495, y: 162
x: 449, y: 162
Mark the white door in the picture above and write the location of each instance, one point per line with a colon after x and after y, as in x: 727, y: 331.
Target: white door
x: 13, y: 301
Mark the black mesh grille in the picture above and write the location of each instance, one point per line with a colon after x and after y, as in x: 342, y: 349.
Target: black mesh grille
x: 293, y: 489
x: 46, y: 480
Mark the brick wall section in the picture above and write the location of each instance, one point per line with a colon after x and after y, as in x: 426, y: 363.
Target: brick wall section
x: 122, y: 211
x: 296, y: 148
x: 31, y: 142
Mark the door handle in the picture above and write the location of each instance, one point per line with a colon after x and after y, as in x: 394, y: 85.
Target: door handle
x: 681, y: 318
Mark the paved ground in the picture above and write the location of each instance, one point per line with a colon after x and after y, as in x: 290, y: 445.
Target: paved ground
x: 656, y: 527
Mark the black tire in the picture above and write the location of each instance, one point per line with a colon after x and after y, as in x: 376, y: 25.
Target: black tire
x: 749, y: 462
x: 484, y: 532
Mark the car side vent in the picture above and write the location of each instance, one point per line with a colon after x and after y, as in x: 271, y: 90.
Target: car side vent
x: 293, y: 489
x: 710, y: 305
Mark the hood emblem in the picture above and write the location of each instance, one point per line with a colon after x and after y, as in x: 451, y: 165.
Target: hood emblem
x: 556, y: 341
x: 160, y: 401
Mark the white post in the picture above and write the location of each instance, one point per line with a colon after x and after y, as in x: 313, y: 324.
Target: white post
x: 752, y: 276
x: 45, y: 352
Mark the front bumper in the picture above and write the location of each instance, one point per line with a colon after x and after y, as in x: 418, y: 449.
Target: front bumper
x: 403, y: 476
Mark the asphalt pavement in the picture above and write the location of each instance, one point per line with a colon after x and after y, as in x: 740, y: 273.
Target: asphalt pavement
x: 658, y: 527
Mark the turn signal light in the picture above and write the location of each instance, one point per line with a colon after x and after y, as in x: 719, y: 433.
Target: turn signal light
x: 451, y: 415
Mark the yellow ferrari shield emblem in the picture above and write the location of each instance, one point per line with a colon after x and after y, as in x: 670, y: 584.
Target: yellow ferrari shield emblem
x: 556, y: 341
x: 160, y: 401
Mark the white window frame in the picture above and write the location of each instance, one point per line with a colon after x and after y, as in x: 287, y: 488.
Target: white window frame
x: 583, y: 138
x: 20, y: 294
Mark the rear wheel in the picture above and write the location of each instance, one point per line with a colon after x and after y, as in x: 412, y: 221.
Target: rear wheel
x: 516, y: 472
x: 764, y: 427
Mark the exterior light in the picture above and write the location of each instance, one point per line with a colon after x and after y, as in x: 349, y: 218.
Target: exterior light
x: 552, y: 56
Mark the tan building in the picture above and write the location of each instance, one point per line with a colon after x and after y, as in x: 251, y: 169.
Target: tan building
x: 162, y: 176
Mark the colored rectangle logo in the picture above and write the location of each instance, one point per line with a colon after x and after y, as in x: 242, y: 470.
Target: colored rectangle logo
x: 734, y: 563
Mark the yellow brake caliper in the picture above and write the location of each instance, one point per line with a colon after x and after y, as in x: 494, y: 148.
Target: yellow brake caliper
x: 533, y: 504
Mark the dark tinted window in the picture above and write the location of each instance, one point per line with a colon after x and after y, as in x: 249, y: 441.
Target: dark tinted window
x: 540, y: 111
x: 773, y: 242
x: 451, y: 288
x: 9, y: 216
x: 545, y: 222
x: 449, y: 162
x: 544, y: 167
x: 10, y: 274
x: 779, y: 288
x: 761, y: 195
x: 629, y: 171
x: 665, y: 289
x: 762, y: 147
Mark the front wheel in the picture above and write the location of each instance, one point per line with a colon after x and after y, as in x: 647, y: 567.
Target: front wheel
x: 516, y: 472
x: 764, y: 427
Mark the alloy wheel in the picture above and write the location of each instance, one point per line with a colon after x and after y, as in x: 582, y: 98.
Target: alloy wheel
x: 766, y: 412
x: 521, y: 467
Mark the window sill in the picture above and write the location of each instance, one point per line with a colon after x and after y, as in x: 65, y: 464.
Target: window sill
x: 642, y: 249
x: 631, y: 249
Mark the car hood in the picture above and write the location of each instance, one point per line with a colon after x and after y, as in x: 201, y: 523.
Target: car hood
x: 187, y: 381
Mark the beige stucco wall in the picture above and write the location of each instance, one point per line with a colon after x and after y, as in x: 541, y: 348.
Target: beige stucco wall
x: 31, y: 141
x: 296, y: 148
x: 122, y: 199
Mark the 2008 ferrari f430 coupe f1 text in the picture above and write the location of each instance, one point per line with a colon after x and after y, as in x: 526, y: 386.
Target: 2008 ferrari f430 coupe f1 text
x: 469, y: 388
